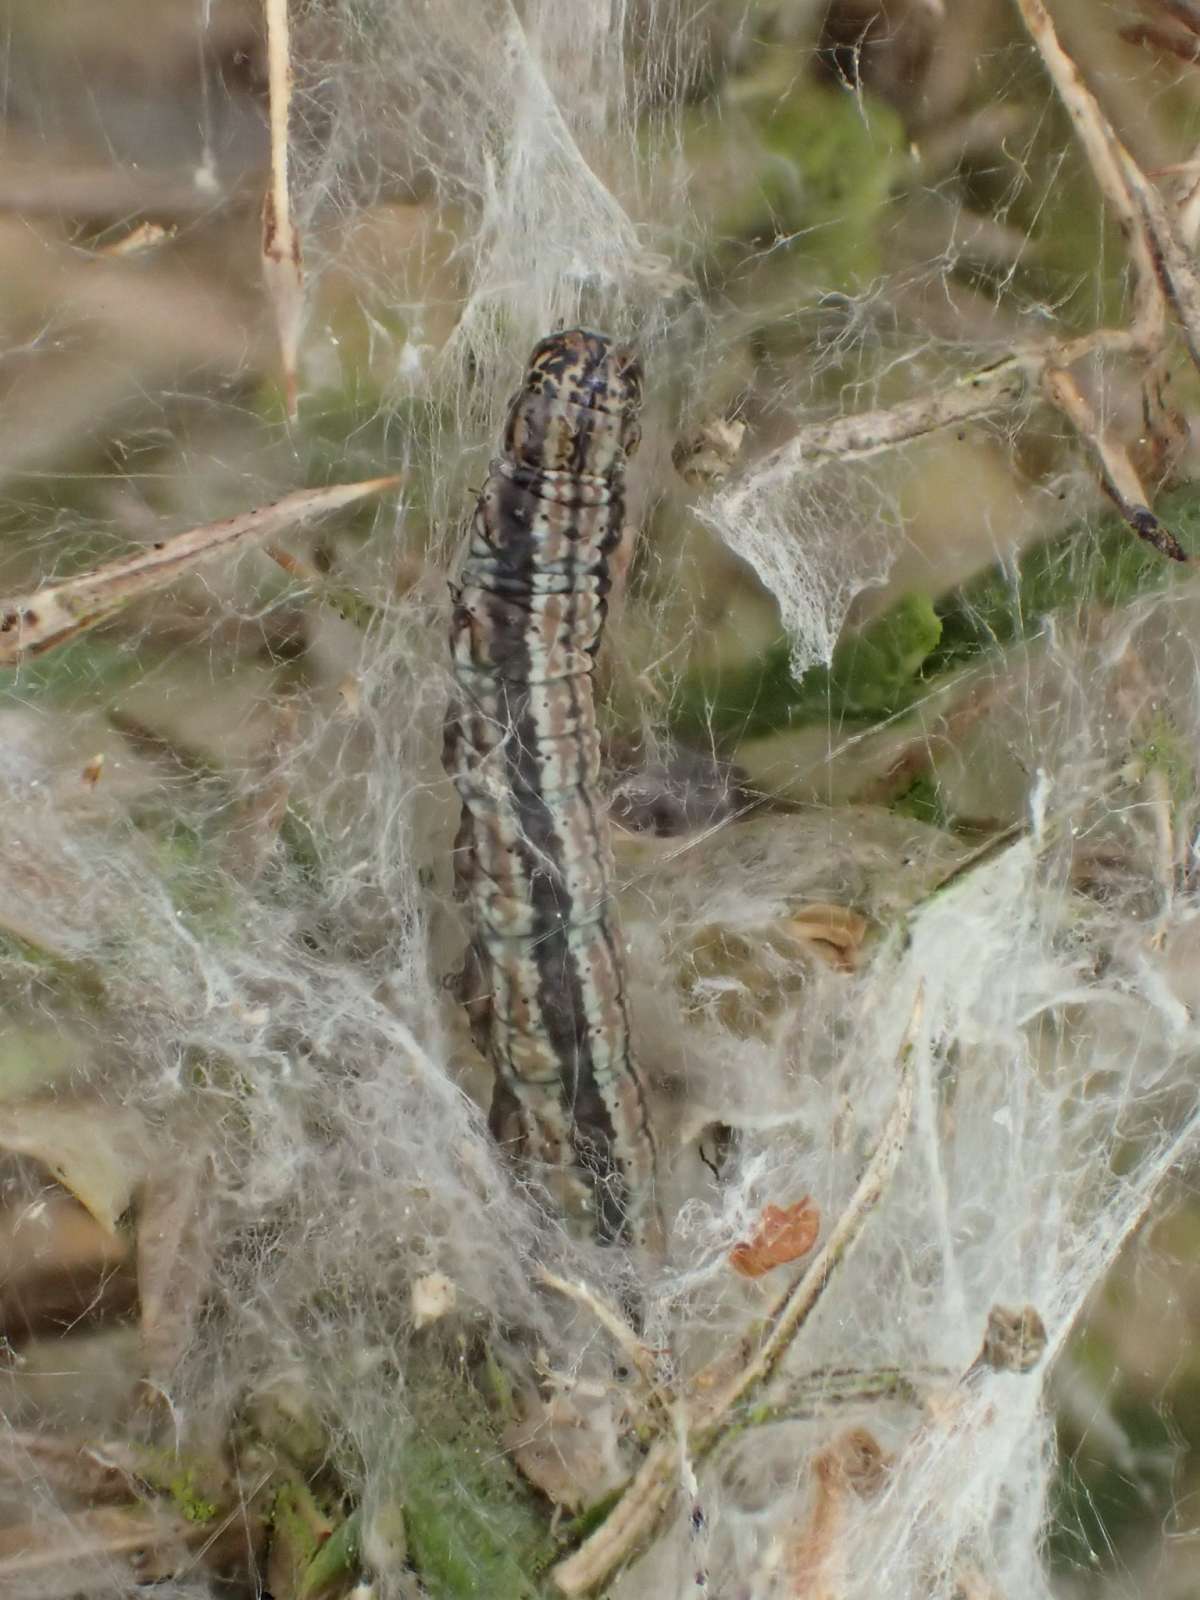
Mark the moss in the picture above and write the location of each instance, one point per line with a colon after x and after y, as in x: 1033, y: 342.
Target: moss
x: 1165, y: 750
x: 188, y: 1484
x: 830, y: 161
x: 193, y: 1505
x: 588, y: 1520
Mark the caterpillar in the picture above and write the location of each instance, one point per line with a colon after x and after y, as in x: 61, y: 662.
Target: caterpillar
x: 544, y: 980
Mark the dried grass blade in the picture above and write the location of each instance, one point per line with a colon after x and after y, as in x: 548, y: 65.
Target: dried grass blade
x: 90, y: 1472
x: 50, y: 616
x: 282, y: 265
x: 86, y: 1544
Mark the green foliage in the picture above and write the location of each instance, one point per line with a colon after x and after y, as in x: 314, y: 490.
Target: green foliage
x: 922, y: 801
x: 334, y: 1561
x: 1101, y: 1497
x: 820, y: 164
x: 475, y: 1531
x: 830, y: 161
x: 872, y: 673
x: 883, y: 669
x: 1105, y: 565
x: 96, y: 665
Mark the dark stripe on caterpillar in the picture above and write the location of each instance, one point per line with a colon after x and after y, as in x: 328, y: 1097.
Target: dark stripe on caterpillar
x: 532, y: 858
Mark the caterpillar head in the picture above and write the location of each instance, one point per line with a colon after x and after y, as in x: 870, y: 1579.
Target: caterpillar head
x: 577, y: 410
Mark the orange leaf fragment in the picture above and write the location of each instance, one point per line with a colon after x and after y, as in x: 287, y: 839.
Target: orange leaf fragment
x: 784, y: 1233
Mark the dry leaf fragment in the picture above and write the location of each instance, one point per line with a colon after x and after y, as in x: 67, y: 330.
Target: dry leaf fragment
x: 145, y: 236
x: 835, y: 933
x: 567, y: 1446
x: 704, y: 456
x: 1015, y: 1340
x: 433, y: 1296
x: 852, y: 1464
x: 349, y: 697
x: 784, y: 1233
x: 176, y: 1243
x: 95, y: 1151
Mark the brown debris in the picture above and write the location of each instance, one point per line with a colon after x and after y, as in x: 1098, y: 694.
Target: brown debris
x: 783, y: 1234
x: 1015, y: 1340
x: 853, y: 1466
x: 834, y: 933
x: 59, y: 1266
x: 703, y: 457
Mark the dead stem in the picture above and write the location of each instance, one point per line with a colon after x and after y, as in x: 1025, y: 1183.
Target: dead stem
x: 640, y: 1356
x: 708, y: 1411
x: 282, y: 265
x: 1118, y: 473
x: 1110, y: 165
x: 33, y: 623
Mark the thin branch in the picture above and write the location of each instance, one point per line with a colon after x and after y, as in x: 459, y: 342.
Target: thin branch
x: 717, y: 1390
x: 982, y: 393
x: 794, y: 1306
x: 1189, y: 208
x: 869, y: 433
x: 1156, y: 38
x: 1186, y: 12
x: 282, y: 265
x: 1110, y: 163
x: 1173, y: 261
x: 33, y: 623
x: 640, y: 1356
x: 1118, y: 473
x: 1163, y: 273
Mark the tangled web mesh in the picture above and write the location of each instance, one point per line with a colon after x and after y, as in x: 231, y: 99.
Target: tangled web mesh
x: 244, y: 928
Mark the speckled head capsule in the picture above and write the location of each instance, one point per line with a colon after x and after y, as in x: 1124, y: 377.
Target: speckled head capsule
x: 577, y: 410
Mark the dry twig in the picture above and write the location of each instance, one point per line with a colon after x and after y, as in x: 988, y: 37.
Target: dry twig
x: 1117, y: 471
x: 717, y: 1390
x: 282, y: 265
x: 1163, y: 275
x: 639, y: 1355
x: 33, y: 623
x: 1108, y: 159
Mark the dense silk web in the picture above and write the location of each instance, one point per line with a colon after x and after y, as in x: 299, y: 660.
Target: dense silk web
x: 959, y: 855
